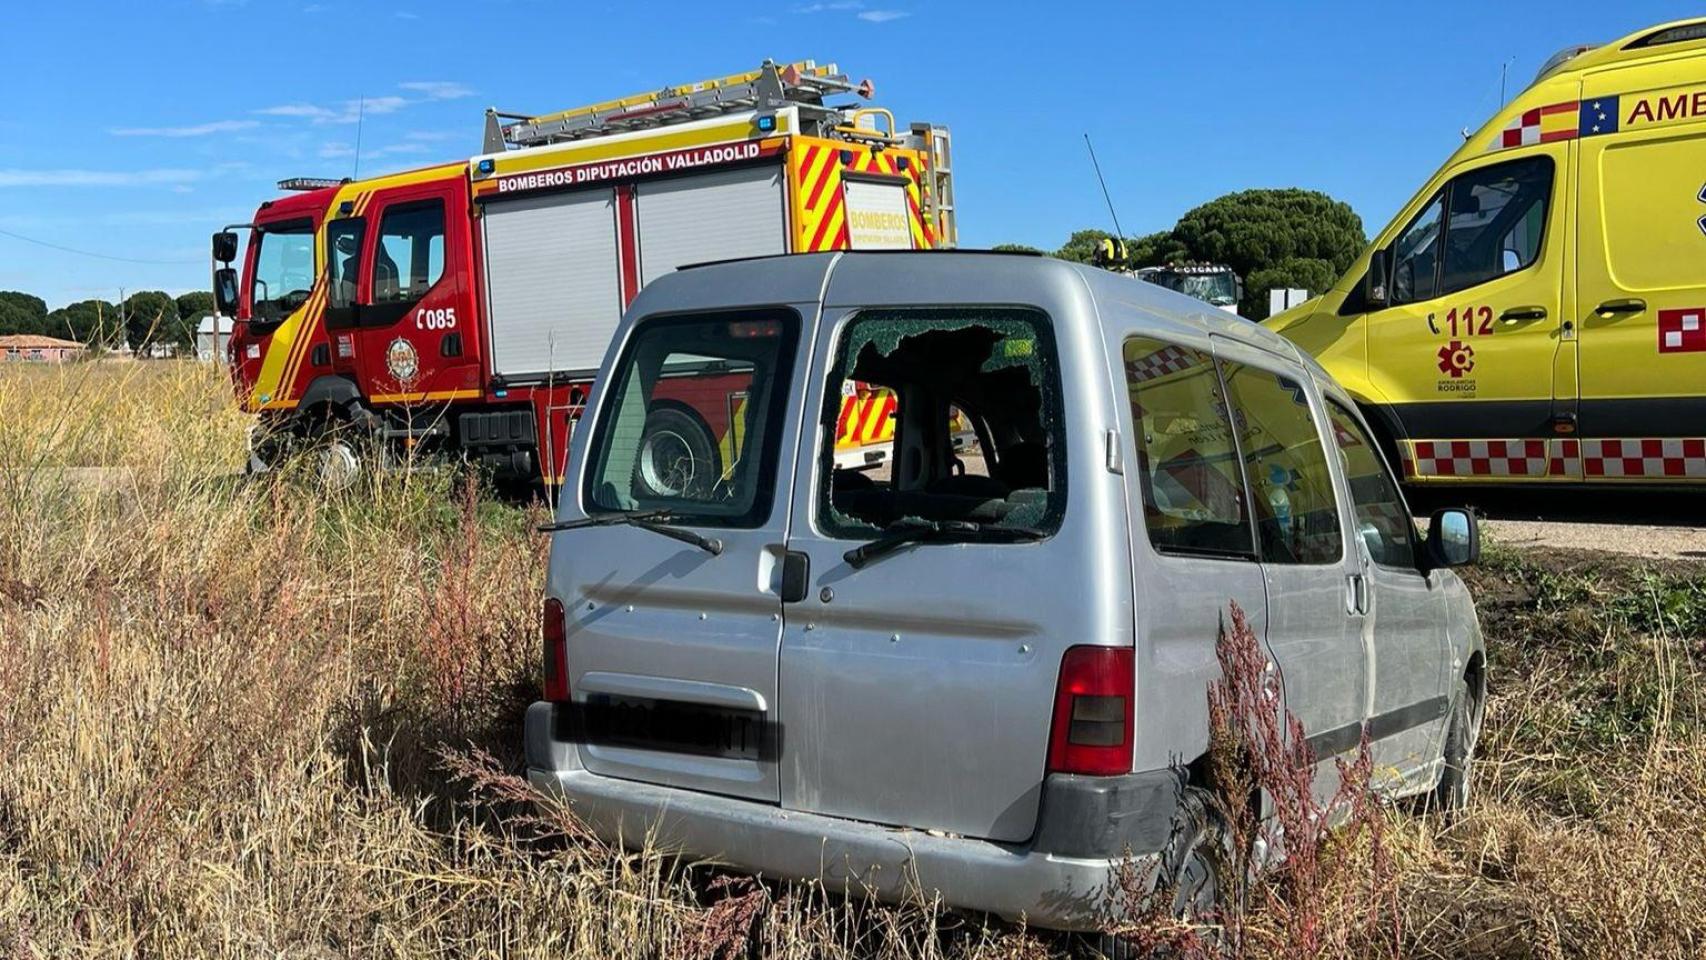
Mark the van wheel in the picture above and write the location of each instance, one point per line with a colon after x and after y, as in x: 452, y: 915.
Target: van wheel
x: 678, y: 457
x: 1456, y: 778
x: 1196, y: 857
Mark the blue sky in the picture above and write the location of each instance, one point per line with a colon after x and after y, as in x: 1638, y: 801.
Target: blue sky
x: 135, y: 129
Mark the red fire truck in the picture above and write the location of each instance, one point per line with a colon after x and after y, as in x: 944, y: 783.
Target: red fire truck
x: 463, y: 308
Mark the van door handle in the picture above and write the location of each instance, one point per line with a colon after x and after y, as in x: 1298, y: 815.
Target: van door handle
x: 1523, y: 314
x: 1356, y: 594
x: 796, y: 575
x: 1621, y: 307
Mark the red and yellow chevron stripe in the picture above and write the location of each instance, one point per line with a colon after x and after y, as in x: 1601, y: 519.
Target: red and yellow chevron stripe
x: 866, y: 419
x: 816, y: 167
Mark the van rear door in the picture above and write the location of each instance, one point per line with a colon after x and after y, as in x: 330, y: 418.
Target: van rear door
x: 918, y: 681
x: 672, y: 645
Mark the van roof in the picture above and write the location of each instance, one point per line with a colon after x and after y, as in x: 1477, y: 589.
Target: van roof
x: 851, y: 278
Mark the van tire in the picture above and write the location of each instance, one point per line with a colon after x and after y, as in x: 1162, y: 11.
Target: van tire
x: 1456, y: 776
x: 1196, y: 854
x: 1189, y: 875
x: 677, y: 456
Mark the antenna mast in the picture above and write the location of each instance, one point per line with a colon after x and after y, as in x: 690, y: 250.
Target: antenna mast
x: 1118, y: 233
x: 360, y: 110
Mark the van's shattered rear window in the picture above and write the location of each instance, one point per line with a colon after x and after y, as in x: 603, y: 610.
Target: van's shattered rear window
x: 943, y: 415
x: 692, y: 423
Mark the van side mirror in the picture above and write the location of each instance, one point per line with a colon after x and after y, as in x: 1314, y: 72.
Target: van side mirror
x: 225, y: 246
x: 225, y: 291
x: 1376, y: 281
x: 1454, y: 538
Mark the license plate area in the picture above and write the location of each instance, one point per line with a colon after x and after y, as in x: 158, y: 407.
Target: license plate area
x: 673, y: 726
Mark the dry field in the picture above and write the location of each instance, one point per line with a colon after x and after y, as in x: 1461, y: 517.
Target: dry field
x: 253, y: 719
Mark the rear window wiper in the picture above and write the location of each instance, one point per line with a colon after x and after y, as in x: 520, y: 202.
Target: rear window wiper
x: 652, y: 520
x: 936, y: 531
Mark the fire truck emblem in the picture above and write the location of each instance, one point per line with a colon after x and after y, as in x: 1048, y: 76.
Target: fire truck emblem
x: 402, y: 360
x: 1456, y: 358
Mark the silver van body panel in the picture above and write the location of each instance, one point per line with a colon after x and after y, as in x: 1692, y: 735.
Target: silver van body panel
x: 914, y: 696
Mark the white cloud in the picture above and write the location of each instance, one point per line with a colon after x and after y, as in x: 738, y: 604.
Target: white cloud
x: 881, y: 16
x: 307, y: 110
x: 96, y: 178
x: 437, y: 89
x: 827, y: 5
x: 370, y: 105
x: 406, y: 15
x: 431, y: 136
x: 197, y: 130
x: 315, y: 8
x: 332, y: 151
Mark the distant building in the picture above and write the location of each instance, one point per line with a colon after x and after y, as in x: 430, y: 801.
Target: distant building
x: 205, y: 348
x: 29, y: 347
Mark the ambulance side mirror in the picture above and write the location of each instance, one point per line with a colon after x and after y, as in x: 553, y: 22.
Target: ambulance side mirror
x: 225, y: 291
x: 225, y: 246
x: 1376, y: 281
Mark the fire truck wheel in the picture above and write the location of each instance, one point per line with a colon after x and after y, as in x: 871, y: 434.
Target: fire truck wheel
x: 338, y: 456
x: 678, y: 457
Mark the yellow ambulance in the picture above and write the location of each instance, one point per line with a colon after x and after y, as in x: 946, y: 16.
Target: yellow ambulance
x: 1537, y: 311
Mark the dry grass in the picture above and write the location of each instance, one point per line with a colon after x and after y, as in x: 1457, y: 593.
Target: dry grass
x: 248, y: 718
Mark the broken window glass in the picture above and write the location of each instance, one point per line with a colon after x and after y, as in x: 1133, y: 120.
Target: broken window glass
x: 943, y: 415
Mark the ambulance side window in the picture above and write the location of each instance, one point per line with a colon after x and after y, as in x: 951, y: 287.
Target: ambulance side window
x: 1497, y: 223
x: 1415, y: 255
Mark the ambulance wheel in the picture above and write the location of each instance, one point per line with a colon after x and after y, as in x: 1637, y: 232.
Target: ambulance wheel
x: 678, y: 456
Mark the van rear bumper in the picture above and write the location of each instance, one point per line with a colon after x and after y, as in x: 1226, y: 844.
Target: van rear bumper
x: 1064, y: 891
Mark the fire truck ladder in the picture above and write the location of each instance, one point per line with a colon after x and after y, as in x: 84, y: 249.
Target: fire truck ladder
x: 770, y: 87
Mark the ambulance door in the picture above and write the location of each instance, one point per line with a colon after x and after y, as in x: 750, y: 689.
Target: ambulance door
x: 417, y: 337
x: 1642, y: 283
x: 1466, y: 345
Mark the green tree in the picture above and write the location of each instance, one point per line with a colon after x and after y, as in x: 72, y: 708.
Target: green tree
x: 1015, y: 248
x: 22, y: 313
x: 91, y: 321
x: 1154, y: 249
x: 195, y: 305
x: 151, y: 316
x: 1282, y: 235
x: 1302, y: 272
x: 1082, y: 245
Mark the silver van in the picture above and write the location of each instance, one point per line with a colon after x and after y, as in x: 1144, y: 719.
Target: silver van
x: 977, y: 665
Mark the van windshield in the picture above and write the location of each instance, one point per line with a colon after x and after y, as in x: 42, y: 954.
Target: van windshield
x: 692, y: 420
x: 943, y: 415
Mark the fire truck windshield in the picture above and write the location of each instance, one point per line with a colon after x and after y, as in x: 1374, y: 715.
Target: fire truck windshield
x: 284, y: 269
x: 1216, y: 288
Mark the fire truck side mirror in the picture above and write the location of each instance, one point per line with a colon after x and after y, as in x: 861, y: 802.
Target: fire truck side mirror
x: 225, y: 246
x: 225, y: 291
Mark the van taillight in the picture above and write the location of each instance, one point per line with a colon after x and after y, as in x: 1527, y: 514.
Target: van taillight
x: 556, y: 651
x: 1093, y: 712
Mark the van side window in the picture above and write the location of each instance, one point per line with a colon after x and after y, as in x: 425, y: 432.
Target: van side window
x: 1383, y: 522
x: 1187, y: 460
x: 1291, y: 488
x: 900, y: 448
x: 1498, y: 219
x: 410, y: 257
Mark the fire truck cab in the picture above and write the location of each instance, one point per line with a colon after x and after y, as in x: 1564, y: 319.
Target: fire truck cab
x: 464, y: 308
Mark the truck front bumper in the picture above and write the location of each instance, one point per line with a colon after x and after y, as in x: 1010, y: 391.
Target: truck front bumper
x: 1065, y: 878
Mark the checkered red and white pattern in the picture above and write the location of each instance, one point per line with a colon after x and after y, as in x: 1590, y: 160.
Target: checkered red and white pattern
x: 1476, y: 458
x: 1160, y: 363
x: 1683, y: 457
